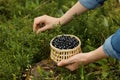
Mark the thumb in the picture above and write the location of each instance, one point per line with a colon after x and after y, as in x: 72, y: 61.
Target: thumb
x: 65, y: 62
x: 43, y: 29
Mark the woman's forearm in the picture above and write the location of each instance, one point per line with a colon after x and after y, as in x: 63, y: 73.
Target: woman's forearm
x: 75, y: 10
x: 95, y: 55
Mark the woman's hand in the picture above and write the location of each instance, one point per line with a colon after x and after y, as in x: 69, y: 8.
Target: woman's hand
x: 73, y: 62
x: 83, y: 58
x: 44, y: 22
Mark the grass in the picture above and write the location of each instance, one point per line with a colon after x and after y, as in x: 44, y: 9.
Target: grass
x: 20, y: 47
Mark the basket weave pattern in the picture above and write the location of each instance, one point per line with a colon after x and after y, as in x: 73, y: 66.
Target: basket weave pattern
x: 60, y: 54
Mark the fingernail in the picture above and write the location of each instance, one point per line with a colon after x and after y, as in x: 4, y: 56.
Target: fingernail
x: 58, y: 64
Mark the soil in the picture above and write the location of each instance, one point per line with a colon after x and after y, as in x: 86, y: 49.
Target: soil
x: 46, y: 65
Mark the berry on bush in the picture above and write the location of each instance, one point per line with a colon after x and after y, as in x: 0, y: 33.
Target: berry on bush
x: 65, y: 42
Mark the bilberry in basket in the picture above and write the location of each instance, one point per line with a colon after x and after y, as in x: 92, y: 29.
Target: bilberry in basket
x: 65, y: 42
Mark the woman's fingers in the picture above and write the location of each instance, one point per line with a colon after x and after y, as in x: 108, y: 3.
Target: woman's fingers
x: 43, y: 23
x: 66, y: 62
x: 43, y: 29
x: 69, y: 64
x: 72, y: 67
x: 73, y: 62
x: 37, y: 22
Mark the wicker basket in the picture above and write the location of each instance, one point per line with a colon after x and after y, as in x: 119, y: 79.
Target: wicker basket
x: 60, y: 54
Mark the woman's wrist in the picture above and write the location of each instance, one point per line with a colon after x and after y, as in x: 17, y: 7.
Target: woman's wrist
x: 95, y: 55
x: 75, y: 10
x: 62, y: 20
x: 87, y: 58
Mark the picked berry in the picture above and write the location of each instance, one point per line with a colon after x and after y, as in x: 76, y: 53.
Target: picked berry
x: 65, y: 42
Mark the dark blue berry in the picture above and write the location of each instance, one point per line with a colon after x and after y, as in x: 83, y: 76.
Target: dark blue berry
x: 65, y: 42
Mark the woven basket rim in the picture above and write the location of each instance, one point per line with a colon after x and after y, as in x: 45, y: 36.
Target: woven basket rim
x: 63, y: 50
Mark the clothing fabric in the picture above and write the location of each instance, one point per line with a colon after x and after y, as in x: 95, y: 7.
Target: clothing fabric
x: 115, y: 41
x: 111, y: 45
x: 91, y: 4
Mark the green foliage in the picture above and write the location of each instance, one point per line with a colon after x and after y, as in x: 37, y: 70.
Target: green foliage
x: 20, y: 47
